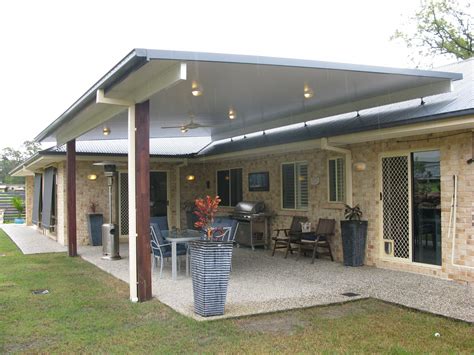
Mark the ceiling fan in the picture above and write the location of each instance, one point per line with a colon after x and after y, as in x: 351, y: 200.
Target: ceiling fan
x: 190, y: 125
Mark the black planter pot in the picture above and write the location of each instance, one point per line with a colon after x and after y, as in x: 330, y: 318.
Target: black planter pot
x: 210, y: 269
x: 354, y: 236
x: 191, y: 218
x: 94, y: 225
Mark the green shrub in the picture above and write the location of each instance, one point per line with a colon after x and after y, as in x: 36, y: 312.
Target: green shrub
x: 19, y: 204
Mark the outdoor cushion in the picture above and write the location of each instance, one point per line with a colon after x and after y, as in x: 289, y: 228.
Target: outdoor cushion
x: 161, y: 221
x: 163, y: 244
x: 221, y: 222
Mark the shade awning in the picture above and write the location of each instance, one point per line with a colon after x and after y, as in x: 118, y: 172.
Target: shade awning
x: 264, y: 92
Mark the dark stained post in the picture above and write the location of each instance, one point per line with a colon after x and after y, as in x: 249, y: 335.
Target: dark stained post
x: 142, y: 139
x: 71, y: 197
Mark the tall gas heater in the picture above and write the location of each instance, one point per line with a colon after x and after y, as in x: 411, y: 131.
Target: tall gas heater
x: 110, y: 236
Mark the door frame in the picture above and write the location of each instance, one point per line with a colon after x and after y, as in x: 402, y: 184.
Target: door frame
x: 380, y: 239
x: 168, y: 208
x: 409, y: 260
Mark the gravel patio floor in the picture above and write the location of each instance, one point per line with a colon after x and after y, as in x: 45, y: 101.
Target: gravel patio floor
x: 260, y: 283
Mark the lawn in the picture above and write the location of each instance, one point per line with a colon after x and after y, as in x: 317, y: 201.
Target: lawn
x: 87, y: 310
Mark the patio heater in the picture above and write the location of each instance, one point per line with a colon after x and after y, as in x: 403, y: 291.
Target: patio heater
x: 110, y: 237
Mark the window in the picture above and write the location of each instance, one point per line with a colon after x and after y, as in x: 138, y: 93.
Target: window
x: 229, y: 186
x: 336, y: 180
x: 294, y: 185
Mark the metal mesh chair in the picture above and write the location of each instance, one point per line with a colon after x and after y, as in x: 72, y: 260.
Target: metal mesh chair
x: 160, y: 248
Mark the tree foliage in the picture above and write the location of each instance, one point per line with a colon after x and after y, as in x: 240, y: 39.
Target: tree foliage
x: 10, y: 158
x: 440, y: 27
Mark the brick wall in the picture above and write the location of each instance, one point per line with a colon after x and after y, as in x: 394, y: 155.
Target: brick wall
x: 455, y: 149
x: 29, y: 187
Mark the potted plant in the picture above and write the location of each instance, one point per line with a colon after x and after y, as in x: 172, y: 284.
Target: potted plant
x: 94, y: 224
x: 210, y: 262
x: 354, y: 236
x: 19, y: 204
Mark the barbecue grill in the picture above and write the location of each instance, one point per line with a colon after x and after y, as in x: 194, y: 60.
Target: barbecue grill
x: 252, y: 226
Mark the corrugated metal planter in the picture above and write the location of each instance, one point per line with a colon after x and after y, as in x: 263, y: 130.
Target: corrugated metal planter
x: 354, y: 235
x: 210, y: 268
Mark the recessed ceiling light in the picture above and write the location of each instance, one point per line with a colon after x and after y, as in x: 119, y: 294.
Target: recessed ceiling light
x: 196, y: 89
x: 232, y: 113
x: 183, y: 129
x: 106, y: 131
x: 308, y: 92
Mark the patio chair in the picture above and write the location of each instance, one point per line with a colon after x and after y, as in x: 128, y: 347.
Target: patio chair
x: 160, y: 248
x: 320, y: 239
x: 286, y: 236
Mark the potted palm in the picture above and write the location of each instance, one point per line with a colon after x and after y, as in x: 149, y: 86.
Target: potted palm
x: 94, y: 224
x: 354, y: 236
x: 210, y: 262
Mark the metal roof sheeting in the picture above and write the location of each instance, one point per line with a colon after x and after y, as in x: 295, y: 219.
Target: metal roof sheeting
x: 182, y: 146
x: 458, y: 102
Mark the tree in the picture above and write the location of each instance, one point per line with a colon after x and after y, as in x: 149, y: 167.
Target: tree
x: 10, y: 158
x: 440, y: 27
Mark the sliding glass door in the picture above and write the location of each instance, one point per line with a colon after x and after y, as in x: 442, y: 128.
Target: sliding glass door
x: 426, y: 207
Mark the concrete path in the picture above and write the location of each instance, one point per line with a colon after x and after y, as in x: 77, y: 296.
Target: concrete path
x: 260, y: 283
x: 30, y: 241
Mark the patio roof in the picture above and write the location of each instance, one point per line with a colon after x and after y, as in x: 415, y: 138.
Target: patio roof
x: 265, y: 92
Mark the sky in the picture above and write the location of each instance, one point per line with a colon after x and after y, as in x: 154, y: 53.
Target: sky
x: 53, y: 51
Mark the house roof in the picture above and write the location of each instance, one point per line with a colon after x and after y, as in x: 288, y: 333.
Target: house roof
x: 267, y: 93
x: 159, y: 147
x: 458, y: 102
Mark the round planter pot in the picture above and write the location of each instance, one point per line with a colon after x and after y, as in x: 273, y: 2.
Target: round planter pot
x: 354, y: 235
x: 19, y: 220
x: 210, y: 268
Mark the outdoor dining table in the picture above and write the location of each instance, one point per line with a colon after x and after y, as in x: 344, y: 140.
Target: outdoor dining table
x: 175, y: 237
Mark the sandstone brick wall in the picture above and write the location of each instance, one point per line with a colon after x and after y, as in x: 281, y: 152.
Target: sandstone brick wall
x: 319, y: 207
x: 29, y: 187
x: 455, y: 149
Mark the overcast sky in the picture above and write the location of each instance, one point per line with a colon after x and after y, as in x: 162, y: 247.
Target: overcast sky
x: 52, y: 51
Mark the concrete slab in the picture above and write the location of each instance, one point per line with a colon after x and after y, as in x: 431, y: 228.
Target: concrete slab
x: 30, y: 241
x: 261, y: 283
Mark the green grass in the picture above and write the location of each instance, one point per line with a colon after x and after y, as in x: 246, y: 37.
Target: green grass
x: 88, y: 311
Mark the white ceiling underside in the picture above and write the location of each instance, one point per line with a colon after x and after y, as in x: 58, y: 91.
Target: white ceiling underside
x: 263, y: 96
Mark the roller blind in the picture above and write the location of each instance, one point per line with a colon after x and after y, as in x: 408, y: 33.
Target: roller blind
x: 47, y: 197
x: 37, y: 198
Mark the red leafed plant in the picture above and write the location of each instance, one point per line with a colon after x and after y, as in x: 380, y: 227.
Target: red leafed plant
x: 206, y: 209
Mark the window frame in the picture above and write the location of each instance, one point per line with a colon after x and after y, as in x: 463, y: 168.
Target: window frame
x: 344, y: 199
x: 230, y: 184
x: 294, y: 163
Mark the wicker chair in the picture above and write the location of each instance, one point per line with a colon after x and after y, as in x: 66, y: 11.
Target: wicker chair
x: 286, y: 236
x: 320, y: 239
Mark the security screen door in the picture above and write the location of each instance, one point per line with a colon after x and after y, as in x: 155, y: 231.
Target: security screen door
x: 158, y: 197
x: 396, y: 204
